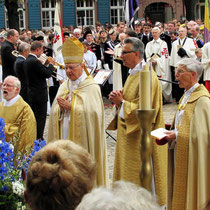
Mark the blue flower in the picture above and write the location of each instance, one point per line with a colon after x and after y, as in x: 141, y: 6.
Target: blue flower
x: 4, y: 188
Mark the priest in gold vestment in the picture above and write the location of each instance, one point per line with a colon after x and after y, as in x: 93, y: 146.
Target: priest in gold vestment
x: 127, y: 154
x: 77, y: 112
x: 189, y: 142
x: 18, y: 116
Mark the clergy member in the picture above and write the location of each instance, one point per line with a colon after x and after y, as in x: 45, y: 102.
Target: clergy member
x: 189, y: 151
x: 157, y: 53
x: 127, y: 156
x: 77, y: 113
x: 18, y: 116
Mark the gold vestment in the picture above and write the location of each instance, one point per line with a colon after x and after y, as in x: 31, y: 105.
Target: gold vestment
x: 127, y: 154
x: 189, y: 184
x: 86, y: 126
x: 19, y: 119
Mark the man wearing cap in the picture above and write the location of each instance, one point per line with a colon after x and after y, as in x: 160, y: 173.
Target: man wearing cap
x: 77, y: 113
x: 7, y: 57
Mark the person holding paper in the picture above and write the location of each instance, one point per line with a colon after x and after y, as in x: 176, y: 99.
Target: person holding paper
x: 77, y: 113
x: 189, y: 142
x: 127, y: 155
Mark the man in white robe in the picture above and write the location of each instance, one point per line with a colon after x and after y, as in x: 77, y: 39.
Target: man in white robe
x: 77, y: 113
x: 157, y: 53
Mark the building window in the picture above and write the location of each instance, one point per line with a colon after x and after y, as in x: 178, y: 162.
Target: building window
x: 117, y: 11
x: 21, y: 15
x: 48, y: 13
x: 85, y: 12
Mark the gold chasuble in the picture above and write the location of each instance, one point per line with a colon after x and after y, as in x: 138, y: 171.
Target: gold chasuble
x: 19, y: 119
x: 86, y: 126
x: 189, y: 184
x: 127, y: 154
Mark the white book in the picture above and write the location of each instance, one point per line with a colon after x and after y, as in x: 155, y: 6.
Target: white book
x: 159, y: 133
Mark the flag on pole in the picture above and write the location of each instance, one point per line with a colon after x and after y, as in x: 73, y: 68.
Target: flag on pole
x: 206, y: 22
x: 131, y: 8
x: 58, y: 32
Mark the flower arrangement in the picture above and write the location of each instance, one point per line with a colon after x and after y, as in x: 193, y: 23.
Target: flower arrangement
x: 12, y: 172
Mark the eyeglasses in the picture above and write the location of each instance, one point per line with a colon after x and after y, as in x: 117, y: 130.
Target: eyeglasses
x: 9, y: 86
x: 180, y: 71
x: 126, y: 52
x: 72, y: 67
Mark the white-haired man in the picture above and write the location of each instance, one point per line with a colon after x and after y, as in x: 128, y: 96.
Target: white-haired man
x: 77, y: 113
x: 18, y: 116
x: 157, y: 53
x: 183, y: 47
x: 189, y: 151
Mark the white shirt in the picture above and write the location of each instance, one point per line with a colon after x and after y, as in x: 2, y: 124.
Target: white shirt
x: 135, y: 70
x: 91, y: 60
x: 66, y: 115
x: 11, y: 102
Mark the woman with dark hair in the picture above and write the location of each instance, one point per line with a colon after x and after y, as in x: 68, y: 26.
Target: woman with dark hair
x: 58, y: 176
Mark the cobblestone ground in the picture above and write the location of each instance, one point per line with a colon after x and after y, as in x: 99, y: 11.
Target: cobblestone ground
x: 168, y: 111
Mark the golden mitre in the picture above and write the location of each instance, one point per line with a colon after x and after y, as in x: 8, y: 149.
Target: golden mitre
x: 73, y: 51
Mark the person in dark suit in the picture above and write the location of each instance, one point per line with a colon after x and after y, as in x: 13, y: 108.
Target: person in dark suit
x: 146, y: 36
x: 19, y: 68
x: 8, y: 59
x: 37, y: 73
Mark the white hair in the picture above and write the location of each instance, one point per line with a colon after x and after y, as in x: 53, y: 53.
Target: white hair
x: 77, y: 30
x: 15, y: 80
x: 192, y: 65
x: 156, y: 28
x: 123, y: 196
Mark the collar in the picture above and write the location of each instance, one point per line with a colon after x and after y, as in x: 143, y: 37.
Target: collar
x: 189, y: 92
x: 137, y: 68
x: 11, y: 102
x: 157, y: 41
x: 33, y: 55
x: 74, y: 84
x: 21, y: 56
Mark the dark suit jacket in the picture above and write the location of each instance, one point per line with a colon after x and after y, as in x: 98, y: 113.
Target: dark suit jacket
x: 167, y: 39
x: 21, y: 74
x: 145, y: 39
x: 36, y: 74
x: 7, y: 58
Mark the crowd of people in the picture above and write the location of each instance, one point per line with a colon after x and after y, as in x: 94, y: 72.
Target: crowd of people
x: 34, y: 83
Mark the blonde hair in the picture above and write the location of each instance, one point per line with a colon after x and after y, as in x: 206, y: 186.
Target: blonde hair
x: 58, y: 176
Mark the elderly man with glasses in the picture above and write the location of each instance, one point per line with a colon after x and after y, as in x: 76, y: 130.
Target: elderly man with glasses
x: 189, y: 142
x: 77, y: 112
x: 18, y: 116
x: 127, y: 155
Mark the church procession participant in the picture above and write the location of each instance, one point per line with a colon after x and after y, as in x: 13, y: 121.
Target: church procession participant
x: 183, y: 47
x: 18, y: 116
x: 19, y: 68
x: 206, y: 65
x: 89, y: 58
x: 77, y: 113
x: 7, y: 57
x: 157, y: 53
x: 36, y: 75
x: 127, y: 157
x: 189, y: 151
